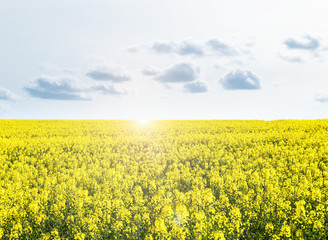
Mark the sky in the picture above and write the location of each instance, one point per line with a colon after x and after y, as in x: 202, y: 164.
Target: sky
x: 172, y: 59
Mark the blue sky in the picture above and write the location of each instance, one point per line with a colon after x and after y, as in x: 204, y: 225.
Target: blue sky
x: 151, y: 59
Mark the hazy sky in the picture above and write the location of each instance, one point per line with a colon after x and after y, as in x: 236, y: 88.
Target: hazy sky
x: 172, y: 59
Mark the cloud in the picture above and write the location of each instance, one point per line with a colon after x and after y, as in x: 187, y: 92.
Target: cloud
x: 186, y: 47
x: 183, y: 72
x: 190, y: 48
x: 6, y: 94
x: 55, y: 70
x: 196, y: 87
x: 193, y: 48
x: 68, y: 88
x: 240, y: 80
x: 323, y: 98
x: 150, y: 71
x: 109, y: 73
x: 310, y: 43
x: 221, y: 48
x: 251, y: 43
x: 109, y: 89
x: 302, y: 50
x: 56, y: 88
x: 291, y: 59
x: 161, y: 47
x: 132, y: 49
x: 5, y: 108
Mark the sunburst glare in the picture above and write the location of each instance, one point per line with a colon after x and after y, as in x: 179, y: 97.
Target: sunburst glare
x: 144, y: 122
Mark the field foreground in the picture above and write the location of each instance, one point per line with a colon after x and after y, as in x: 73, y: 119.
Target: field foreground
x: 62, y: 179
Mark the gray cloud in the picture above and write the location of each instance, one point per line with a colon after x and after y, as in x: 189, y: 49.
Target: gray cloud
x: 106, y: 73
x: 6, y: 94
x: 310, y: 43
x: 196, y: 87
x: 46, y: 87
x: 183, y: 72
x: 150, y: 71
x: 221, y: 48
x: 240, y: 80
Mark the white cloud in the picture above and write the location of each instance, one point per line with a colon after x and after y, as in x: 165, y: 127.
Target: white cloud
x: 221, y: 48
x: 182, y: 72
x: 109, y: 89
x: 300, y: 50
x: 323, y: 98
x: 109, y: 73
x: 150, y: 71
x: 306, y: 43
x: 57, y: 88
x: 191, y: 47
x: 6, y: 94
x: 292, y: 59
x: 240, y: 80
x: 196, y: 87
x: 5, y: 108
x: 61, y: 87
x: 163, y: 47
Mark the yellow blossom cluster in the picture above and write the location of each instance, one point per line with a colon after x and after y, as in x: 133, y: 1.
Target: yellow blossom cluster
x: 81, y: 179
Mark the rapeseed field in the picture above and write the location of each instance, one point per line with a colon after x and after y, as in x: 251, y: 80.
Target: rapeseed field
x: 81, y: 179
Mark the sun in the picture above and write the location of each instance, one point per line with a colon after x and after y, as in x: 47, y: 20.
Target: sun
x: 143, y: 122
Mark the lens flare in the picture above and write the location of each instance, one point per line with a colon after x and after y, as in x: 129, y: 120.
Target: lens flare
x: 143, y: 122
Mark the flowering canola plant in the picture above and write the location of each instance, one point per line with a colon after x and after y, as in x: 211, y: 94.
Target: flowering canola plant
x: 79, y: 179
